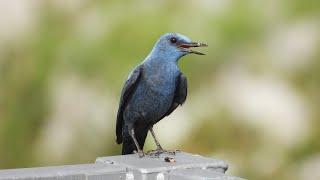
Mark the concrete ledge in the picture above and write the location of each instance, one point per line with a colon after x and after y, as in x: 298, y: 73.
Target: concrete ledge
x: 148, y: 165
x: 193, y: 174
x: 128, y: 167
x: 79, y: 172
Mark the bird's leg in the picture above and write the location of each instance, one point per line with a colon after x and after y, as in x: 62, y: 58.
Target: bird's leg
x: 159, y: 149
x: 140, y: 152
x: 155, y: 139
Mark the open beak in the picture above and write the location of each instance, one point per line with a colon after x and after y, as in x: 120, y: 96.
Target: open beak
x: 186, y: 47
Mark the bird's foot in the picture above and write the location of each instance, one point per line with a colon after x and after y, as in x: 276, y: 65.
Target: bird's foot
x: 154, y: 153
x: 157, y: 152
x: 171, y: 152
x: 140, y: 153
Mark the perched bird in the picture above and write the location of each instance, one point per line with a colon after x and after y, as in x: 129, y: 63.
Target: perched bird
x: 153, y: 90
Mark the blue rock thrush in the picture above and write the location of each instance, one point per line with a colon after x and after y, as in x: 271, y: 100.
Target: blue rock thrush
x: 153, y: 90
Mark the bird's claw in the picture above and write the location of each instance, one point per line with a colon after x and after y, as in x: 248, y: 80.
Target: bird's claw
x: 172, y: 152
x: 157, y: 152
x: 154, y: 153
x: 140, y: 153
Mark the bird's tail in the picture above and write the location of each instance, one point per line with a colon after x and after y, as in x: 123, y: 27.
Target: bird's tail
x: 128, y: 145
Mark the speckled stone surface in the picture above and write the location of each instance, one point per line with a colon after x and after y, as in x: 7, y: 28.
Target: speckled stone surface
x: 149, y: 164
x: 129, y: 167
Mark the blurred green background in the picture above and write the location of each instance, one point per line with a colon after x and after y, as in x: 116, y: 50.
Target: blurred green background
x: 253, y: 99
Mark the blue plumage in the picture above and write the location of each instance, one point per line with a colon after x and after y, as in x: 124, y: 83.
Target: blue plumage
x: 153, y: 90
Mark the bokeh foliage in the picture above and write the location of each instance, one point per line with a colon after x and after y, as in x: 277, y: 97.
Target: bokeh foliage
x: 99, y: 42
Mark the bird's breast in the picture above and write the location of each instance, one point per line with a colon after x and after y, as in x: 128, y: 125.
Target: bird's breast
x: 164, y: 84
x: 155, y: 92
x: 154, y: 96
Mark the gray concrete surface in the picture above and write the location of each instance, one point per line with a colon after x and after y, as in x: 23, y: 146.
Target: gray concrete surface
x: 129, y: 167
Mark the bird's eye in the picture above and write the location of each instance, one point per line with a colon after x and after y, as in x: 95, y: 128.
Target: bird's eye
x: 173, y: 40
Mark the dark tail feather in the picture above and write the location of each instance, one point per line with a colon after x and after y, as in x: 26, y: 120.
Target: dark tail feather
x: 128, y: 145
x: 119, y: 139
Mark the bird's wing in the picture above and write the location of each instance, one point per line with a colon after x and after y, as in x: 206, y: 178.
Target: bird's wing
x: 128, y: 89
x: 180, y: 94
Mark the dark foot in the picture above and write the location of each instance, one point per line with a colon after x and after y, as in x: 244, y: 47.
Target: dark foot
x: 140, y: 153
x: 154, y: 153
x: 172, y: 152
x: 157, y: 152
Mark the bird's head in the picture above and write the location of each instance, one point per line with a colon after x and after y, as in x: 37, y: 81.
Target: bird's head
x: 176, y: 45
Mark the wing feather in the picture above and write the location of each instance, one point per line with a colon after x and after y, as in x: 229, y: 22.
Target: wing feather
x: 127, y: 91
x: 180, y: 94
